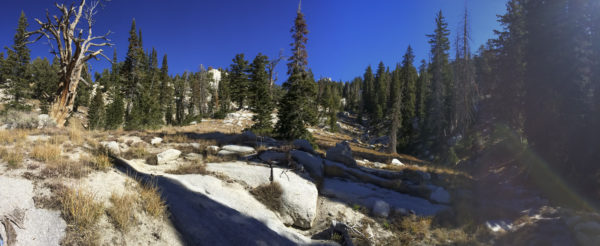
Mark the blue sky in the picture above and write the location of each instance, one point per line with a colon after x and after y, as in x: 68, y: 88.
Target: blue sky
x: 345, y: 36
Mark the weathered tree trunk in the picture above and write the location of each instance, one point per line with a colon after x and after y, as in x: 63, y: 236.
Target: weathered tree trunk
x: 62, y: 107
x: 73, y: 49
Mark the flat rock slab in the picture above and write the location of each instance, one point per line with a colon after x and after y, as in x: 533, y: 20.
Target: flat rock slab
x: 367, y: 195
x: 243, y: 150
x: 41, y: 226
x: 299, y: 195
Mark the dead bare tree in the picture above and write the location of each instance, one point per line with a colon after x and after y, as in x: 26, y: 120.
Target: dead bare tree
x: 271, y: 69
x: 74, y: 47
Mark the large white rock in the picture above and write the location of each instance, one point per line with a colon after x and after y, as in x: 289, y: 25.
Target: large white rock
x: 212, y: 150
x: 341, y: 153
x: 299, y: 195
x: 312, y: 163
x: 367, y: 195
x: 234, y: 196
x: 440, y: 195
x: 156, y: 141
x: 40, y: 226
x: 397, y: 162
x: 242, y: 150
x: 167, y: 156
x: 111, y: 146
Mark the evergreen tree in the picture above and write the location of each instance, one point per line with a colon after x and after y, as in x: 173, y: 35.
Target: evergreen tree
x: 408, y: 77
x: 115, y: 111
x: 396, y: 109
x: 45, y: 81
x: 437, y: 118
x: 261, y: 103
x: 179, y: 89
x: 422, y: 95
x: 16, y: 65
x: 83, y: 90
x: 368, y: 94
x: 296, y: 107
x: 166, y: 92
x: 96, y: 113
x: 380, y: 93
x: 224, y: 94
x: 238, y: 80
x: 131, y: 70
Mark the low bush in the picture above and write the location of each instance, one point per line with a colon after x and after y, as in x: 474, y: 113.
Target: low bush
x: 151, y: 200
x: 121, y: 212
x: 269, y: 195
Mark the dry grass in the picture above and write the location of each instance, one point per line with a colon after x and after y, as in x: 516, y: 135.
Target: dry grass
x: 13, y: 136
x: 100, y: 162
x: 65, y: 168
x: 196, y: 167
x: 46, y: 152
x: 13, y: 158
x: 79, y: 208
x: 75, y: 134
x: 176, y: 138
x: 151, y: 200
x: 82, y: 212
x: 136, y: 152
x: 122, y: 211
x: 269, y: 195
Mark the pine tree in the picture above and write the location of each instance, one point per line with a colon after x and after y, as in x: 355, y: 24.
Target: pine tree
x: 131, y: 68
x: 16, y: 65
x: 380, y: 93
x: 396, y: 109
x: 440, y: 80
x: 408, y: 77
x: 166, y: 92
x: 115, y: 111
x: 422, y: 95
x: 238, y: 80
x: 96, y: 113
x: 224, y: 94
x: 179, y: 89
x: 83, y: 90
x: 368, y: 94
x: 45, y: 80
x: 296, y: 107
x: 261, y: 103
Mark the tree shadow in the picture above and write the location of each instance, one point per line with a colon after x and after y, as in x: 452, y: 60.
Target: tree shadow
x: 202, y: 221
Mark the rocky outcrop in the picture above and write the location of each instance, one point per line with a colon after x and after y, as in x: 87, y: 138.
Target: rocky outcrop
x: 237, y: 149
x: 156, y: 141
x: 303, y: 145
x: 439, y: 195
x: 341, y: 153
x: 299, y: 196
x: 310, y: 162
x: 112, y: 147
x: 368, y: 195
x: 167, y: 156
x: 273, y: 156
x: 212, y: 150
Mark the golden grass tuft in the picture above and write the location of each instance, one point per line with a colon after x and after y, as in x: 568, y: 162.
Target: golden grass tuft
x: 46, y: 152
x: 197, y: 167
x: 79, y: 208
x: 122, y: 211
x: 100, y: 162
x: 136, y: 152
x: 176, y: 138
x: 151, y: 200
x: 75, y: 134
x: 13, y: 158
x: 269, y: 195
x: 65, y: 168
x: 13, y: 136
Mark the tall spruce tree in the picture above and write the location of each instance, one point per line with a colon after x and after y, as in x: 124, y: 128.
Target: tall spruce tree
x: 238, y: 80
x: 261, y: 103
x: 396, y: 95
x: 166, y: 92
x: 16, y: 65
x: 296, y: 109
x: 422, y: 95
x: 380, y: 93
x: 368, y: 93
x: 409, y: 77
x: 440, y: 80
x: 96, y: 113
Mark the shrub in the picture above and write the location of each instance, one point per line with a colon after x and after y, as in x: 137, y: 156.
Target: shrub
x: 269, y: 195
x: 26, y: 120
x: 136, y: 152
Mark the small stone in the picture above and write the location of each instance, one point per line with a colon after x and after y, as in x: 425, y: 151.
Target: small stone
x: 397, y: 162
x: 166, y: 156
x: 156, y: 141
x: 212, y: 150
x: 381, y: 209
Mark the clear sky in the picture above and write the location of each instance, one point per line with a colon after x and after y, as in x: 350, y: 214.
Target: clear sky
x: 345, y: 35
